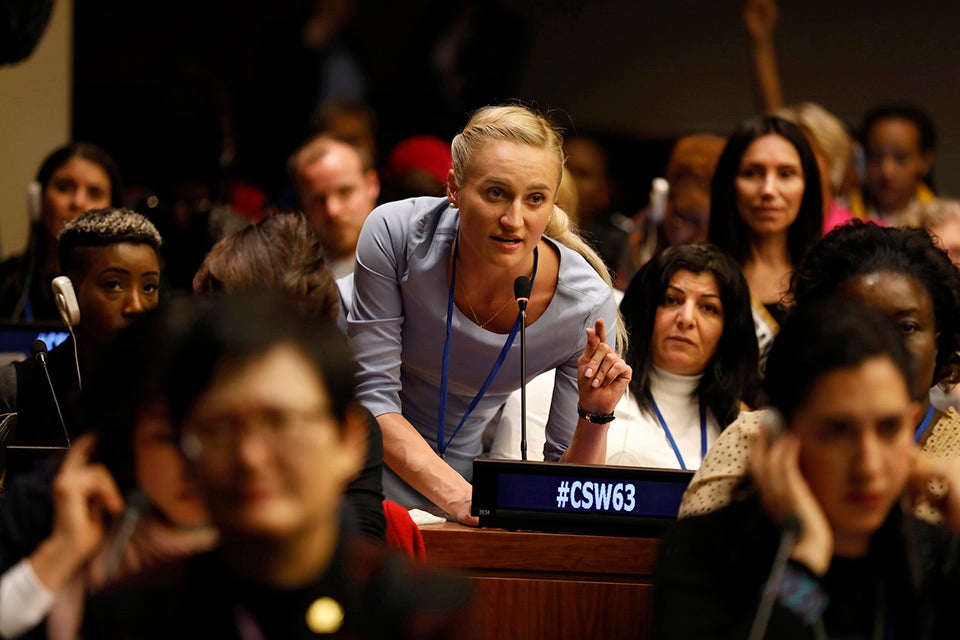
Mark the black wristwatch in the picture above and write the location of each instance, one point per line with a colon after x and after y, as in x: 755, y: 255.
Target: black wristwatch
x: 595, y: 418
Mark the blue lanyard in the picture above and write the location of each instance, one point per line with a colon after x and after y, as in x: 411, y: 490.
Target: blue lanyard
x: 922, y: 427
x: 673, y: 443
x: 442, y: 442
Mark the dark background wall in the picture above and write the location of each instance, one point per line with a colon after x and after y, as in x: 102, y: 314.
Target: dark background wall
x: 638, y: 73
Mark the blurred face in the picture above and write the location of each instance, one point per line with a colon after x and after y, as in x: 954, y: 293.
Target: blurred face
x: 688, y: 214
x: 267, y: 452
x: 688, y: 323
x: 587, y: 165
x: 856, y: 446
x: 505, y: 202
x: 354, y: 129
x: 895, y: 163
x: 160, y: 469
x: 910, y: 308
x: 337, y: 195
x: 769, y: 185
x: 948, y: 233
x: 121, y: 283
x: 77, y: 186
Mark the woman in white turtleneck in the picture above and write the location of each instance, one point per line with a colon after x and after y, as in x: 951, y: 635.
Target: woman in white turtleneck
x: 694, y: 357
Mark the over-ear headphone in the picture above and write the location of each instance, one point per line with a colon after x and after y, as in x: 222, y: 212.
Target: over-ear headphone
x: 66, y: 300
x: 34, y: 200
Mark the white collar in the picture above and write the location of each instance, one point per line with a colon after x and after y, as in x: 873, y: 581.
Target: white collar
x: 673, y: 386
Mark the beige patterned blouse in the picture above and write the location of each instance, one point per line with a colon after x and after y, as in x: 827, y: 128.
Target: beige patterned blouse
x: 728, y: 461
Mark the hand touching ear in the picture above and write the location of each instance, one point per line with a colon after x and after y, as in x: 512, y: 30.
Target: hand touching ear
x: 785, y: 493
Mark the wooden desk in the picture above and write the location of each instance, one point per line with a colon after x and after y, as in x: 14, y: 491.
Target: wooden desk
x: 552, y: 585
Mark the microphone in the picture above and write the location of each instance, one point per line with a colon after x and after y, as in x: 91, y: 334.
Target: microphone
x: 789, y: 532
x: 659, y: 189
x: 39, y: 351
x: 521, y: 291
x: 136, y: 503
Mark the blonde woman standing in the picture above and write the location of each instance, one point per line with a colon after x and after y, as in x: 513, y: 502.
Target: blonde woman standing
x: 433, y: 319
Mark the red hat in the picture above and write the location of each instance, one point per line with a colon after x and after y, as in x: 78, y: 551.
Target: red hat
x: 426, y: 153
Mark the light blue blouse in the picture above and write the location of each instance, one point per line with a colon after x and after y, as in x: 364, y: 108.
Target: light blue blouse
x: 396, y: 321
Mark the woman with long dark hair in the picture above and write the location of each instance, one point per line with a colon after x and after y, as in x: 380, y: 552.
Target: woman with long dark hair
x: 693, y: 356
x: 74, y: 178
x: 766, y: 210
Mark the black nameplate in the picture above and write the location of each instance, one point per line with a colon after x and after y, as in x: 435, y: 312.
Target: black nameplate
x: 576, y: 498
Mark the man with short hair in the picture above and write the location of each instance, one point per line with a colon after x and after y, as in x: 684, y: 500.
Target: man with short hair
x: 338, y: 188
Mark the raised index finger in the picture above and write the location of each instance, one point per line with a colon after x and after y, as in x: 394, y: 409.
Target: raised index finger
x: 601, y: 330
x: 81, y: 452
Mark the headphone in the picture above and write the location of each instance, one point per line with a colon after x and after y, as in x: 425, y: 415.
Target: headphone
x: 66, y: 300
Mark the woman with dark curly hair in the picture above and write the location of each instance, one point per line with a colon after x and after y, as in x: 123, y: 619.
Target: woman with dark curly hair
x: 899, y: 271
x: 766, y: 210
x: 693, y: 355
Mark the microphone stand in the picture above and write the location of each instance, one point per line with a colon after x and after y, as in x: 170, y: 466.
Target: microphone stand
x: 790, y: 531
x: 521, y: 291
x: 523, y: 382
x: 39, y: 350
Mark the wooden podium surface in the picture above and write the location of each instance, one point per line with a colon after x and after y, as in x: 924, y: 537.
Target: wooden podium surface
x: 552, y: 585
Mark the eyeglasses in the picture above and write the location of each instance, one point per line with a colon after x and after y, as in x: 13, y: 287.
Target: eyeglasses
x: 280, y: 429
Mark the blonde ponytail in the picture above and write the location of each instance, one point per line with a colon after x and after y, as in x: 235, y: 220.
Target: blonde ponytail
x: 560, y: 229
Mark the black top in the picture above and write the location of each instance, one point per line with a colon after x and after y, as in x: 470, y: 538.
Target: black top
x: 381, y: 594
x: 37, y: 422
x: 712, y: 570
x: 777, y: 311
x: 365, y: 492
x: 13, y: 277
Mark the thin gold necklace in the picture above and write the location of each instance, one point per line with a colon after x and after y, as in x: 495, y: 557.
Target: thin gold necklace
x: 482, y: 325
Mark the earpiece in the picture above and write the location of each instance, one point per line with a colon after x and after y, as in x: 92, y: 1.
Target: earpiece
x: 34, y: 200
x: 772, y: 420
x: 66, y: 300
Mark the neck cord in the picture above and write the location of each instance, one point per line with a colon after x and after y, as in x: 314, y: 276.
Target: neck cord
x: 442, y: 442
x: 922, y: 427
x: 673, y: 443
